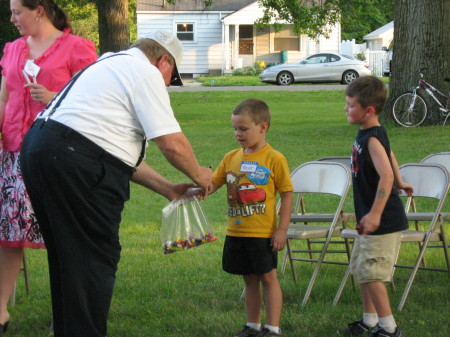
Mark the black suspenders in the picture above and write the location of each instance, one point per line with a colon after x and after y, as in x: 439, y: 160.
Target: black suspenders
x: 62, y: 94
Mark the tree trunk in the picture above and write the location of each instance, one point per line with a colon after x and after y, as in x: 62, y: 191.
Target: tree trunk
x: 113, y: 25
x: 421, y: 40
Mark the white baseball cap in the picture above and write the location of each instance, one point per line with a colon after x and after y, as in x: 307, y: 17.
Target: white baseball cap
x: 173, y: 46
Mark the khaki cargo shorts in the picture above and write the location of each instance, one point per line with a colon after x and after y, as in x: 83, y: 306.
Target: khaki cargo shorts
x: 373, y: 257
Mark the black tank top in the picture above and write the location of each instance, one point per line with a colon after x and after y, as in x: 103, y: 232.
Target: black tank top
x: 365, y: 183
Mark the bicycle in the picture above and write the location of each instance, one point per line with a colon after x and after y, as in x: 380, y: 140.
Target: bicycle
x: 410, y: 108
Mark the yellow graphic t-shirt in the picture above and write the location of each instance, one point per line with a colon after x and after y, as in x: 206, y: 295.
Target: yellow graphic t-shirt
x: 253, y: 180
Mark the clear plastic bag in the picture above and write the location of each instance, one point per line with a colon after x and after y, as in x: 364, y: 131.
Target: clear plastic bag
x: 184, y: 225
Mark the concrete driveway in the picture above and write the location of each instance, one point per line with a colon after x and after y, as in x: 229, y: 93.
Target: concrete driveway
x: 195, y: 86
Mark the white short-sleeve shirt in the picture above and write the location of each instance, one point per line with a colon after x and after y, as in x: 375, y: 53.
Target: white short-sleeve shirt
x: 116, y: 102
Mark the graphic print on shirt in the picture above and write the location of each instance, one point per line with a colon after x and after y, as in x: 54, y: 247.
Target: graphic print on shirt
x: 245, y: 198
x: 356, y: 150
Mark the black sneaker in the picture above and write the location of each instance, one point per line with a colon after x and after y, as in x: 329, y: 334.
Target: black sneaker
x: 247, y: 332
x: 378, y: 331
x: 357, y: 328
x: 266, y: 333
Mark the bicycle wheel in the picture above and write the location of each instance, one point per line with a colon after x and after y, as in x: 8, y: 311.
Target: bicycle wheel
x: 408, y: 113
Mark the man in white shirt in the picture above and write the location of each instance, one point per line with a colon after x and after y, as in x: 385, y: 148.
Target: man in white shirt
x: 78, y: 159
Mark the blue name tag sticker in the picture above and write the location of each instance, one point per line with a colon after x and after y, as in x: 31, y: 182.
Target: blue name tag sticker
x: 260, y: 176
x: 248, y: 166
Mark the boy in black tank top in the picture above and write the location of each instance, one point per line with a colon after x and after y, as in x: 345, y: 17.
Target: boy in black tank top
x: 379, y: 210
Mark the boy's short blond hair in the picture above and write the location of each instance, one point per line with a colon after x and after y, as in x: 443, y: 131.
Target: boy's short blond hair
x: 257, y: 109
x: 152, y: 49
x: 369, y: 91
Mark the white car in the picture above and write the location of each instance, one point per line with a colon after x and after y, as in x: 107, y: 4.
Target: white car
x: 387, y: 62
x: 323, y: 67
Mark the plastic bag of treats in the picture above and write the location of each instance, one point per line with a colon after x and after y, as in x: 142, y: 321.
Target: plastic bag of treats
x: 184, y: 225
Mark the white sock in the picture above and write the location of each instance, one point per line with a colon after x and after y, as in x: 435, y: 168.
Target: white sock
x: 275, y: 329
x: 388, y: 323
x: 370, y: 319
x: 255, y: 326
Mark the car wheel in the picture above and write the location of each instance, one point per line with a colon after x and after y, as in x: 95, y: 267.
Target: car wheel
x: 285, y: 78
x: 349, y: 76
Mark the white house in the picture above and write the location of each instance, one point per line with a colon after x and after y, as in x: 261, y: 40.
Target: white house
x: 223, y: 36
x: 380, y: 37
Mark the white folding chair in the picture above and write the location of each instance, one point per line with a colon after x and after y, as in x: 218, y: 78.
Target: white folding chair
x: 340, y: 159
x: 317, y: 178
x: 429, y: 181
x: 442, y: 158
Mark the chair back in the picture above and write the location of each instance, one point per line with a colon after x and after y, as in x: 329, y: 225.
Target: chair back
x: 427, y: 180
x: 442, y: 158
x: 340, y: 159
x: 321, y: 177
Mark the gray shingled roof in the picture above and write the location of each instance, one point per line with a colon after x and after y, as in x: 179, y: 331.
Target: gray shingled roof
x: 192, y: 5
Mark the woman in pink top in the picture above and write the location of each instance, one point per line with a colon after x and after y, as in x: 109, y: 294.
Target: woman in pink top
x: 34, y: 68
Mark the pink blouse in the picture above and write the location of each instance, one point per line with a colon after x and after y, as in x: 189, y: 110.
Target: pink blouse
x: 65, y: 57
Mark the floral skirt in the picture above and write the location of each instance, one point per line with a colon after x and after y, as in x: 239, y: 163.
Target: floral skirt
x: 18, y: 224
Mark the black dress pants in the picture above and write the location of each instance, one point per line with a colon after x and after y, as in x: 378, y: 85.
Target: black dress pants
x: 78, y: 193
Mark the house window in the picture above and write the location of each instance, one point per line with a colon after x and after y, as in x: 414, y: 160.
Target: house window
x: 286, y: 39
x: 186, y: 31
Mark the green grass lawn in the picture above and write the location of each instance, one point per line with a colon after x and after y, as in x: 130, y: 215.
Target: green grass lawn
x: 187, y: 293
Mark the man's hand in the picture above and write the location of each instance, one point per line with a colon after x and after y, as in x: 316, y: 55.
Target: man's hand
x: 205, y: 177
x: 179, y: 190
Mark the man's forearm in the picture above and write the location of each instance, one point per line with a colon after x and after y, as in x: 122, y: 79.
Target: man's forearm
x: 151, y: 179
x: 179, y: 153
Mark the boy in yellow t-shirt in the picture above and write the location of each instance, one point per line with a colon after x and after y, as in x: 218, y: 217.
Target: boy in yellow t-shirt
x: 253, y: 175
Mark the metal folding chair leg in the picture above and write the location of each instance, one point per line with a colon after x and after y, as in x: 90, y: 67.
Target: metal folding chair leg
x: 25, y: 273
x: 12, y: 297
x: 285, y: 257
x: 314, y: 275
x: 417, y: 266
x: 341, y: 287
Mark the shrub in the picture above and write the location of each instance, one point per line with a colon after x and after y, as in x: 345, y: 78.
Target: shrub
x: 247, y: 71
x: 361, y: 56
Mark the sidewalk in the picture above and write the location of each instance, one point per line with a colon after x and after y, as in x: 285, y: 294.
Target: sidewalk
x: 192, y: 85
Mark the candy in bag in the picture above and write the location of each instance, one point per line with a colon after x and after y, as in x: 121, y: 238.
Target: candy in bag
x: 184, y: 225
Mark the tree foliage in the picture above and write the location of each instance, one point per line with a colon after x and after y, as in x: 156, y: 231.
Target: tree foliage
x: 83, y: 18
x: 316, y: 17
x: 360, y: 17
x: 311, y: 17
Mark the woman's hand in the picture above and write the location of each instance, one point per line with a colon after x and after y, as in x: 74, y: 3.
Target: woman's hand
x: 39, y: 93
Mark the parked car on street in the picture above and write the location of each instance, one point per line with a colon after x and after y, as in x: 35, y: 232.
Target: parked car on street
x: 387, y: 62
x: 323, y: 67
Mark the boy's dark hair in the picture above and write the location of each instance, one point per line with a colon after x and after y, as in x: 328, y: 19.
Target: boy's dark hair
x: 368, y: 90
x: 257, y: 109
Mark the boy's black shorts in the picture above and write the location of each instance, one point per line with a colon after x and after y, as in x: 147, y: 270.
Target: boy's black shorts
x: 244, y: 256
